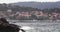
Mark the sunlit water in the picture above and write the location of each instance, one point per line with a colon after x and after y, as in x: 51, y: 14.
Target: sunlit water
x: 39, y: 26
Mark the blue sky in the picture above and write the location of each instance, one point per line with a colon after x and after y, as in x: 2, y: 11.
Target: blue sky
x: 13, y: 1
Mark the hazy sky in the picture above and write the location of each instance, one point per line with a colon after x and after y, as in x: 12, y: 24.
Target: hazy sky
x: 12, y: 1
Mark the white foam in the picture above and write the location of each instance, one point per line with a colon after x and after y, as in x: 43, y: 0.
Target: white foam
x: 26, y: 28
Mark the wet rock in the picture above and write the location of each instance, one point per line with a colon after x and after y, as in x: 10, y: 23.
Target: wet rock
x: 6, y: 27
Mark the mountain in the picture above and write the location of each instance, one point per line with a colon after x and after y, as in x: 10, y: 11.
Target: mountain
x: 39, y: 5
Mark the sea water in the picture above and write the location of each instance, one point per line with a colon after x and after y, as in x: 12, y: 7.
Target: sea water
x: 39, y: 25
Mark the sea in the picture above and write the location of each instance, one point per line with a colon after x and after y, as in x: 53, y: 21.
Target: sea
x: 38, y: 25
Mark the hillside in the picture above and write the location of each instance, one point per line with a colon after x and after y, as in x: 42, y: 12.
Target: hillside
x: 39, y: 5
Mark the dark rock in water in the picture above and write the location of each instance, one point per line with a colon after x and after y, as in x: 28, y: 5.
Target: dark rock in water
x: 6, y: 27
x: 10, y: 28
x: 15, y: 27
x: 22, y: 30
x: 4, y: 20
